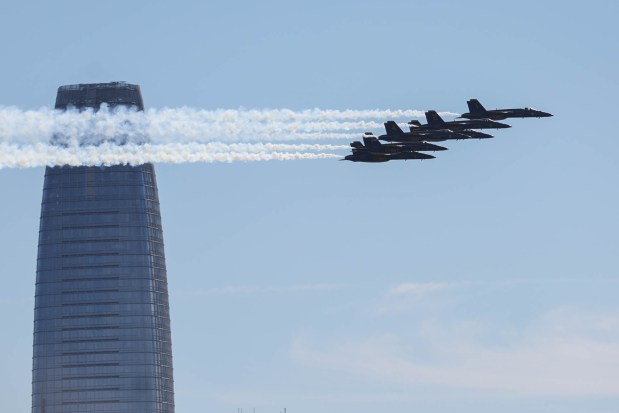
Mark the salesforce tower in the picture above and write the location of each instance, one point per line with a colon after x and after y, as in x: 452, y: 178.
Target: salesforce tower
x: 102, y: 324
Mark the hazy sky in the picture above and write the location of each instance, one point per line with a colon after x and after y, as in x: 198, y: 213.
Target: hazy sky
x: 485, y: 280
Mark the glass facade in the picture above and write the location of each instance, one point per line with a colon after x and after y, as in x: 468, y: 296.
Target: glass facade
x: 102, y: 324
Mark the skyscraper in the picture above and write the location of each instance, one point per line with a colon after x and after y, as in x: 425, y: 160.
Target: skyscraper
x: 102, y: 325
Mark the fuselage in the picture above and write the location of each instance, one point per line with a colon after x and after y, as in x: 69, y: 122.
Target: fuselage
x: 418, y: 146
x: 477, y: 135
x: 366, y: 157
x: 502, y: 114
x: 461, y: 125
x: 411, y: 155
x: 420, y: 135
x: 369, y: 155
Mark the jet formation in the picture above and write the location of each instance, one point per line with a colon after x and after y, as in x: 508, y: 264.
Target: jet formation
x: 412, y: 143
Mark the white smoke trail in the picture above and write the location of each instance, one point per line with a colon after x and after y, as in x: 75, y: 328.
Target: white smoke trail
x: 261, y: 147
x: 288, y: 115
x: 40, y: 154
x: 187, y: 125
x: 121, y: 135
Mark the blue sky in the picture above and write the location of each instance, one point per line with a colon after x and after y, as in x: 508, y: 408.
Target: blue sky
x: 484, y: 280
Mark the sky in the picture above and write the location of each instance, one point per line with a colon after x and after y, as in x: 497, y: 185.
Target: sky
x: 484, y: 280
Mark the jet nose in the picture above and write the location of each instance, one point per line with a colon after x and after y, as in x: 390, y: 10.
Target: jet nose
x: 546, y: 115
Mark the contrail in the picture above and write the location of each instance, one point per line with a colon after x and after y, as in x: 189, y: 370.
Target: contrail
x: 37, y: 155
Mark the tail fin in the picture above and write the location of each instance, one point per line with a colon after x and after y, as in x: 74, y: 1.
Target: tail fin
x: 434, y: 119
x: 370, y: 141
x: 392, y: 128
x: 475, y: 106
x: 414, y: 125
x: 356, y: 145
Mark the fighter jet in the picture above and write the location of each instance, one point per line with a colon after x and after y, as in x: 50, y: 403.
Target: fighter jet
x: 477, y: 111
x: 374, y: 151
x: 395, y: 134
x: 436, y: 122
